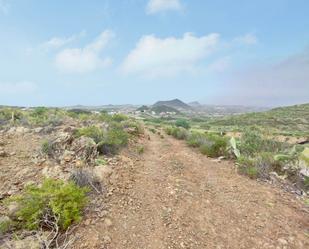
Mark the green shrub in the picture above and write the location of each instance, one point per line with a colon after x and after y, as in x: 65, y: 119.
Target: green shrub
x: 119, y: 117
x: 214, y: 146
x: 39, y: 111
x: 196, y: 139
x: 182, y: 123
x: 112, y: 141
x: 93, y: 132
x: 180, y: 133
x: 47, y: 147
x: 55, y: 198
x: 168, y: 130
x: 136, y: 127
x: 252, y: 143
x: 100, y: 161
x: 246, y: 166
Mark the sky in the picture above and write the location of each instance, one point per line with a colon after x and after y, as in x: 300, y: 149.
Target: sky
x: 96, y: 52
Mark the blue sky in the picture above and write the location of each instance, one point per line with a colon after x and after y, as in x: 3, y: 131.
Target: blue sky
x: 97, y: 52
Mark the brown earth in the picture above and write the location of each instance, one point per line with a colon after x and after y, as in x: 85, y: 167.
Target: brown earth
x: 174, y: 197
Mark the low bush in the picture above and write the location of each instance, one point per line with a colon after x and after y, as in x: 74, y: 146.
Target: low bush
x: 196, y: 139
x: 180, y: 133
x: 252, y: 143
x: 112, y: 141
x: 47, y: 147
x: 134, y: 127
x: 214, y: 146
x: 119, y: 117
x: 182, y: 123
x: 61, y: 201
x: 246, y: 166
x: 93, y: 132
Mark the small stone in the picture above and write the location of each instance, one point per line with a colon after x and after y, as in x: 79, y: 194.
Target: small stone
x: 3, y: 153
x: 282, y: 241
x: 108, y: 222
x: 107, y: 239
x: 87, y: 222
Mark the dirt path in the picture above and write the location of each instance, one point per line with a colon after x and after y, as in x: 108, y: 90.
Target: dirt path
x: 177, y: 198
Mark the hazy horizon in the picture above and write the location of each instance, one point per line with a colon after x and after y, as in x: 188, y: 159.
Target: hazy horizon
x: 92, y: 53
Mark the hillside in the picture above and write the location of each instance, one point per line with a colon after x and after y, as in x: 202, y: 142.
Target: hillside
x: 175, y: 103
x: 163, y: 108
x: 291, y: 119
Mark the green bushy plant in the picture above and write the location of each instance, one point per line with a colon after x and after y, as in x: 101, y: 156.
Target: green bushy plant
x: 55, y: 198
x: 214, y: 146
x: 93, y: 132
x: 182, y: 123
x: 246, y: 166
x: 168, y: 130
x: 196, y: 139
x: 180, y: 133
x: 136, y: 127
x: 47, y: 147
x: 119, y: 117
x: 112, y: 141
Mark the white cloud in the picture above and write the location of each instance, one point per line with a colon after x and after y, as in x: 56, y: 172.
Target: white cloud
x: 219, y: 65
x: 22, y: 87
x: 87, y: 59
x: 247, y: 39
x: 155, y: 6
x: 4, y: 6
x: 58, y: 42
x: 155, y: 57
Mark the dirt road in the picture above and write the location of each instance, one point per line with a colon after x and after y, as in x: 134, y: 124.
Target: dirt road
x: 177, y: 198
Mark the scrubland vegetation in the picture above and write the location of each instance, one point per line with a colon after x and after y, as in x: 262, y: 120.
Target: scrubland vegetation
x: 256, y: 148
x: 74, y: 136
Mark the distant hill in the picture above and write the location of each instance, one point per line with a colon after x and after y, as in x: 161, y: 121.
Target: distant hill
x: 195, y: 104
x: 290, y: 119
x: 163, y: 108
x: 143, y: 108
x: 175, y: 103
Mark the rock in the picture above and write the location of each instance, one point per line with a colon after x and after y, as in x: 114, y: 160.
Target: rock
x: 108, y: 222
x: 102, y: 172
x: 53, y: 172
x: 13, y: 208
x: 38, y: 130
x: 22, y: 130
x: 11, y: 130
x: 107, y: 239
x: 30, y: 242
x: 304, y: 171
x: 282, y: 241
x: 87, y: 222
x: 3, y: 153
x: 67, y: 156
